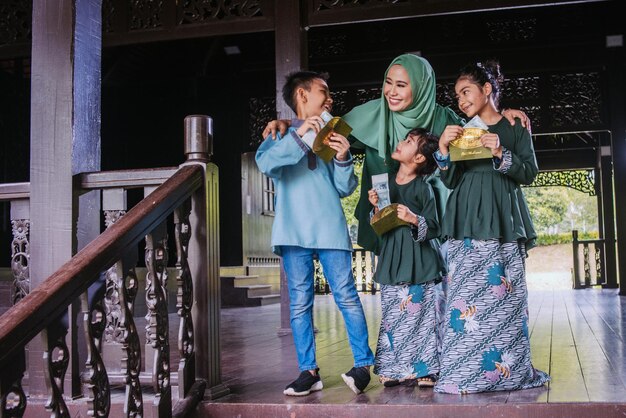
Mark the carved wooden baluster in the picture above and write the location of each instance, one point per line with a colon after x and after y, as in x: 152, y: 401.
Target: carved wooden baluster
x: 20, y: 249
x: 131, y: 363
x: 157, y: 318
x: 586, y: 266
x: 119, y: 299
x: 184, y: 300
x: 600, y: 263
x: 95, y: 379
x: 56, y: 358
x: 12, y: 396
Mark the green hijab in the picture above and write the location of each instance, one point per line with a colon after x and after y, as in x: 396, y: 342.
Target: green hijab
x: 378, y: 127
x: 378, y: 130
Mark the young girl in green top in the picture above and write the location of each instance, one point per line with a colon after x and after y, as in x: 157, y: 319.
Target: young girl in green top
x: 488, y: 226
x: 408, y: 267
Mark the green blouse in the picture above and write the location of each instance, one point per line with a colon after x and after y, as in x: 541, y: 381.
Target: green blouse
x: 487, y: 201
x: 374, y: 164
x: 403, y: 258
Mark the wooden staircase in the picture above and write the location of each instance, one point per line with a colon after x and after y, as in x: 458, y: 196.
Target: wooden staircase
x: 250, y: 285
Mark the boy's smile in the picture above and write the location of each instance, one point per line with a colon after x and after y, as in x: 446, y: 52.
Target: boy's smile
x: 317, y: 99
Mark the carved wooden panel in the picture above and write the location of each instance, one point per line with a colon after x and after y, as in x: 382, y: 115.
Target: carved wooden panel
x: 576, y: 99
x: 581, y: 180
x: 262, y: 110
x: 145, y: 14
x: 336, y: 4
x: 15, y: 21
x: 512, y: 30
x: 199, y: 11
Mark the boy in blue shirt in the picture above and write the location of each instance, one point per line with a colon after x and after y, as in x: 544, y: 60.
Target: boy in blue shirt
x: 310, y: 221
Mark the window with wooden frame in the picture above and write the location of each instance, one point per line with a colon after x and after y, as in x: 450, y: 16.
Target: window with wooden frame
x: 268, y: 196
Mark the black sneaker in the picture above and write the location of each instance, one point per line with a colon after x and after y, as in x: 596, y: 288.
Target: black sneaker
x: 304, y: 384
x: 357, y: 378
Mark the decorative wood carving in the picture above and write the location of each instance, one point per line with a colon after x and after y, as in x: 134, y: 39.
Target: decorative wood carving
x: 95, y: 379
x: 157, y: 328
x: 15, y: 21
x: 20, y: 256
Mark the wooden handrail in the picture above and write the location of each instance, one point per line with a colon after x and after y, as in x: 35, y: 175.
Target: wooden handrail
x: 13, y: 191
x: 43, y: 305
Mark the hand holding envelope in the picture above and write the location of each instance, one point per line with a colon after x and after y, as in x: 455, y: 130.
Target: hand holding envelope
x: 468, y: 145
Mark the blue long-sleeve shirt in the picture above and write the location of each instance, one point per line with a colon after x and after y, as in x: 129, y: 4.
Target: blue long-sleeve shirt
x: 308, y: 190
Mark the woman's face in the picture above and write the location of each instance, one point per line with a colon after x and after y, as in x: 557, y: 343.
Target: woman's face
x: 397, y: 89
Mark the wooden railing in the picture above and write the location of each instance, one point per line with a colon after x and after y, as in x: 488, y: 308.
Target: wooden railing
x: 363, y: 267
x: 588, y: 256
x: 188, y: 194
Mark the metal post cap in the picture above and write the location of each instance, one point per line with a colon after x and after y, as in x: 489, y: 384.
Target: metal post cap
x: 198, y: 137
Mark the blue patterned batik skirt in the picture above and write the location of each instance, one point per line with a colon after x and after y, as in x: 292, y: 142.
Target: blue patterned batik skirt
x: 486, y: 344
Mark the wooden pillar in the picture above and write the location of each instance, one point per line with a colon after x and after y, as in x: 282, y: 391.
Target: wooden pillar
x: 616, y: 64
x: 65, y: 140
x: 291, y: 55
x: 606, y: 214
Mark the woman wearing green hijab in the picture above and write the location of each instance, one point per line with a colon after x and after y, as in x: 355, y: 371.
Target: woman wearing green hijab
x: 378, y: 127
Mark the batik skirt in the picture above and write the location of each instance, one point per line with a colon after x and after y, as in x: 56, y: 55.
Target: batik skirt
x: 407, y: 340
x: 486, y: 343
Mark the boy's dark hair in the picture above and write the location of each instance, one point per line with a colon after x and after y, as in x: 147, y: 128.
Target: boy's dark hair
x: 299, y: 79
x: 480, y: 73
x: 427, y: 144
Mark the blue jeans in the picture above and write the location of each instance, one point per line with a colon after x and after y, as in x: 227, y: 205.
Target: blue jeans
x: 337, y: 265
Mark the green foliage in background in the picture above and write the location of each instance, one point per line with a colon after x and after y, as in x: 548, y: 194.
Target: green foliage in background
x: 555, y: 211
x: 564, y: 238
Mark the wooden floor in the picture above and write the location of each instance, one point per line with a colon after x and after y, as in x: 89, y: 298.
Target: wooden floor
x: 578, y: 337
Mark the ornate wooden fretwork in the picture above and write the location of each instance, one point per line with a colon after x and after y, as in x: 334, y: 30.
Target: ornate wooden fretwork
x: 146, y: 14
x: 56, y: 358
x: 113, y: 307
x: 184, y: 295
x: 131, y: 364
x: 568, y: 106
x: 335, y: 4
x: 512, y: 30
x: 108, y: 12
x: 20, y: 256
x: 365, y: 94
x: 119, y: 301
x: 581, y: 180
x: 326, y: 46
x: 321, y: 284
x: 521, y: 88
x: 157, y: 328
x: 15, y: 21
x: 198, y: 11
x: 262, y: 110
x: 95, y: 379
x: 12, y: 396
x: 340, y: 102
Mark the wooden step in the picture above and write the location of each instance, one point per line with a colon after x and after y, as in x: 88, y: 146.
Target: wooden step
x: 256, y: 290
x: 233, y: 271
x: 246, y: 291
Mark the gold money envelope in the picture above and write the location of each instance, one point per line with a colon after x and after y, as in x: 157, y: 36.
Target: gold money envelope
x: 322, y: 139
x: 468, y: 147
x: 386, y: 219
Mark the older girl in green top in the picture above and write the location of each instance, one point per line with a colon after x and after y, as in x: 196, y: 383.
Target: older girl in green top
x: 488, y: 226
